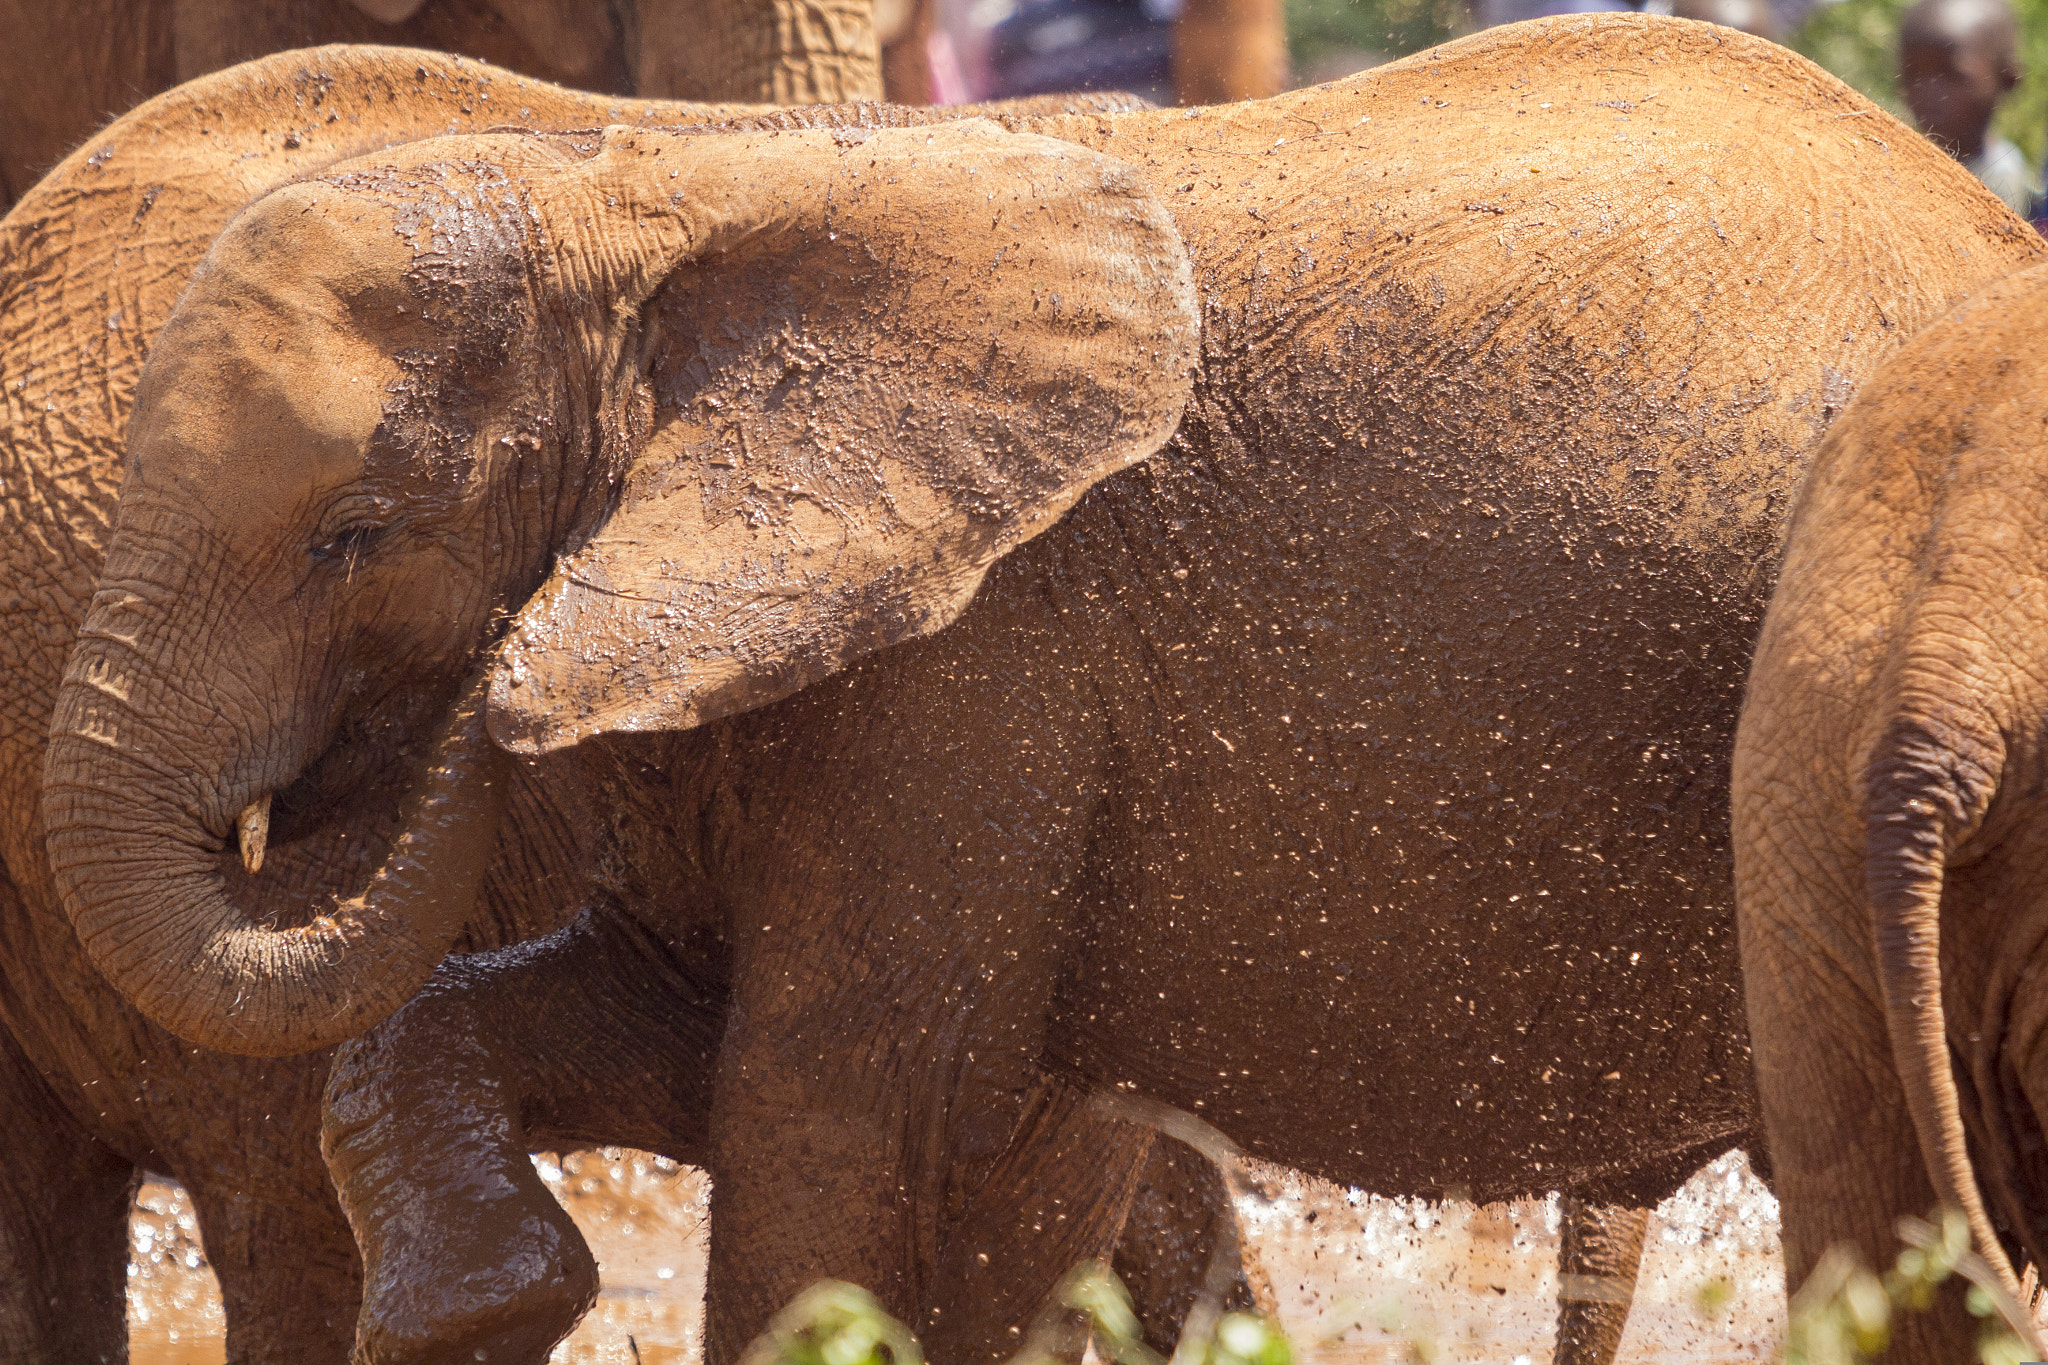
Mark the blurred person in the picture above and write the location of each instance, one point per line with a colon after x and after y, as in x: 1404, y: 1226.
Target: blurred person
x: 1488, y: 13
x: 1229, y: 50
x: 1048, y: 47
x: 1169, y: 51
x: 1957, y: 59
x: 1750, y: 16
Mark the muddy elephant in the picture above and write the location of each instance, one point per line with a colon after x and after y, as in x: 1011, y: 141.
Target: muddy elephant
x: 91, y: 262
x: 1389, y: 701
x: 1887, y: 778
x: 68, y: 68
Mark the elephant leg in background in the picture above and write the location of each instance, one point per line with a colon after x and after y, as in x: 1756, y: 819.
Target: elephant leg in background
x: 1845, y: 1161
x: 765, y: 51
x: 1055, y: 1198
x: 1597, y: 1260
x: 64, y: 1203
x: 299, y: 1306
x: 1170, y: 1237
x: 592, y: 1034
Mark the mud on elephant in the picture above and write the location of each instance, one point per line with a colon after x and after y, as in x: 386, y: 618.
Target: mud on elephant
x: 1888, y: 814
x: 91, y: 263
x: 1409, y: 663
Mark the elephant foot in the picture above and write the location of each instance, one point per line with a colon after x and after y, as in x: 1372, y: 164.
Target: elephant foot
x: 467, y: 1256
x: 527, y: 1280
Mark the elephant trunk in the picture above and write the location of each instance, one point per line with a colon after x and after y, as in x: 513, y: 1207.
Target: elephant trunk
x: 1927, y: 780
x: 143, y: 875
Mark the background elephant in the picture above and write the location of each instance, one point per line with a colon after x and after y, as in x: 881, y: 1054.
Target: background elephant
x: 68, y: 67
x: 1887, y: 813
x: 1505, y: 372
x: 91, y: 261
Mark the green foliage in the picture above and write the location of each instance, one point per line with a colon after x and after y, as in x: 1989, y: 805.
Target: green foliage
x: 1246, y: 1339
x: 832, y: 1323
x: 1393, y: 27
x: 1843, y: 1314
x: 1419, y: 1344
x: 1855, y: 39
x: 1858, y: 40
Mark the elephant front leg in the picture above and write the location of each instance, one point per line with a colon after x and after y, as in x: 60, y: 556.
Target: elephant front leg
x: 966, y: 1250
x: 900, y: 893
x: 63, y: 1229
x: 1597, y: 1261
x: 591, y: 1035
x: 239, y: 1133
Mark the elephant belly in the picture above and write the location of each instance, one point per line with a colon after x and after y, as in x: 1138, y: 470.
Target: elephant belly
x: 1420, y: 874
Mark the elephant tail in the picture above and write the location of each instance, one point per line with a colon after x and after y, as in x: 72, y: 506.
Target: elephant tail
x: 1929, y: 781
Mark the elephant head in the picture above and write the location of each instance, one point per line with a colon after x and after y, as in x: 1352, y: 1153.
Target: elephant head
x: 555, y: 437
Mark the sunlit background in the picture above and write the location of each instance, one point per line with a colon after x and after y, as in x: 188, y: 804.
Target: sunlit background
x: 1100, y: 40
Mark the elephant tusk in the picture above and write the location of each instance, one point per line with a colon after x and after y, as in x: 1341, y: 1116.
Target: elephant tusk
x: 252, y: 830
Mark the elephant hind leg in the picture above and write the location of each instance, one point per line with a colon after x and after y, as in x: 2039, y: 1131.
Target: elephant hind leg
x: 1169, y: 1239
x: 64, y: 1203
x: 1055, y: 1197
x: 1601, y: 1251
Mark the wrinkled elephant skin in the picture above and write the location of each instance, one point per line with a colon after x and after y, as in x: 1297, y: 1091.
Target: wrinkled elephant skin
x: 1889, y: 839
x: 1387, y: 706
x: 91, y: 262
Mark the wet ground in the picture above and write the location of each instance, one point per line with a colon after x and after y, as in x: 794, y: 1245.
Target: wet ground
x: 1359, y: 1280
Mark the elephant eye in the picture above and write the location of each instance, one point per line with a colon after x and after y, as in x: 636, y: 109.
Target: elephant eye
x: 351, y: 528
x: 350, y: 543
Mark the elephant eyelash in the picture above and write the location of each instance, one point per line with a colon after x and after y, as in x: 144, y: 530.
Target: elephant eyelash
x: 349, y: 544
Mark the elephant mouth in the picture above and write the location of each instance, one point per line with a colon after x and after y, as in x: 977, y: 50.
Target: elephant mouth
x: 329, y: 828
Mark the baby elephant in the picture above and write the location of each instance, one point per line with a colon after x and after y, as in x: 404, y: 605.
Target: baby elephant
x: 1342, y: 764
x: 1890, y: 845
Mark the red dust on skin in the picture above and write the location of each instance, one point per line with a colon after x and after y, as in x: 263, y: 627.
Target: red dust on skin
x: 1643, y: 564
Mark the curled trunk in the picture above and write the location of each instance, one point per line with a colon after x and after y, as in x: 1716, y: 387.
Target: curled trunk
x: 143, y: 874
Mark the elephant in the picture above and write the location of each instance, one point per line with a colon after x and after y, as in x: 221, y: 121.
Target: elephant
x: 70, y: 66
x: 998, y: 717
x: 1885, y: 792
x: 91, y: 262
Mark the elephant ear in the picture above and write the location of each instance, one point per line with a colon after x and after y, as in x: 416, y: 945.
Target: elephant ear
x: 869, y: 365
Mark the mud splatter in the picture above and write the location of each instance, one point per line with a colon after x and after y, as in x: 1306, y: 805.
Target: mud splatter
x: 1357, y: 1277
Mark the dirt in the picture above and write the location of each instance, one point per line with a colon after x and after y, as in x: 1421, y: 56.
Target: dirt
x: 1358, y: 1280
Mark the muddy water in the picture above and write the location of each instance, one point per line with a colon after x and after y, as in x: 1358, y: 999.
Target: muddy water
x: 1358, y: 1280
